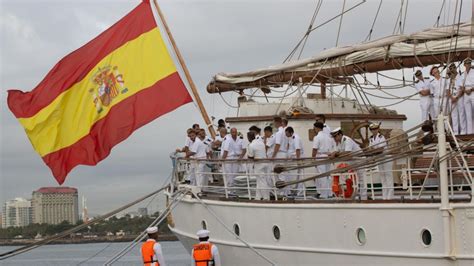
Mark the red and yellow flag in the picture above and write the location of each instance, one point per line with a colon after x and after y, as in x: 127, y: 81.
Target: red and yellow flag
x: 95, y: 97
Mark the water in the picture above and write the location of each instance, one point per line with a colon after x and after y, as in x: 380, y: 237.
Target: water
x: 74, y: 254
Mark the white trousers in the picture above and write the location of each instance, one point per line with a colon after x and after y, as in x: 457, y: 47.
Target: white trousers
x: 324, y: 184
x: 230, y: 170
x: 201, y: 178
x: 436, y: 108
x: 458, y: 116
x: 386, y: 176
x: 469, y: 110
x: 283, y: 176
x: 192, y: 173
x: 263, y: 186
x: 426, y: 108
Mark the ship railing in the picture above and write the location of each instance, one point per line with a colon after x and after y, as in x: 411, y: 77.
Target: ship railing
x: 412, y: 180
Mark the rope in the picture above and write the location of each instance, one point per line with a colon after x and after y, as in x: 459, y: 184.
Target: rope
x: 230, y: 231
x: 340, y: 22
x: 369, y: 36
x: 439, y: 15
x: 32, y: 246
x: 178, y: 196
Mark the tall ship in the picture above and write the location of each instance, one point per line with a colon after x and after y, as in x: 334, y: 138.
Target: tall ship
x: 335, y: 179
x: 428, y: 221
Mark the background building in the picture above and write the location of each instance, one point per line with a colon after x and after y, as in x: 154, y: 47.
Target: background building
x: 16, y: 212
x: 143, y: 211
x: 53, y: 205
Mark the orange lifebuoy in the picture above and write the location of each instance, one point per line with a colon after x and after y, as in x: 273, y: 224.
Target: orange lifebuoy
x: 336, y: 188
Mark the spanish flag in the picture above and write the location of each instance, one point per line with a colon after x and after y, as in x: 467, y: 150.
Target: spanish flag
x: 96, y: 96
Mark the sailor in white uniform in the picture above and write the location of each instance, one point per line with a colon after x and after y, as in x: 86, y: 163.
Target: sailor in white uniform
x: 198, y: 151
x: 345, y: 145
x: 280, y: 150
x: 439, y: 89
x: 468, y: 89
x: 269, y: 140
x: 377, y: 146
x: 422, y: 86
x: 256, y: 150
x: 232, y: 149
x: 322, y: 118
x: 295, y: 151
x: 456, y: 101
x: 322, y: 147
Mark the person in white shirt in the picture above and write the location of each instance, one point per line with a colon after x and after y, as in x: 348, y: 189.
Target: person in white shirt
x: 187, y: 143
x: 423, y: 88
x: 468, y: 88
x: 439, y: 89
x: 322, y: 147
x: 456, y: 102
x: 269, y: 140
x: 198, y: 151
x: 217, y: 144
x: 378, y: 145
x: 345, y: 146
x: 280, y: 150
x: 151, y: 252
x: 256, y: 150
x: 322, y: 118
x: 205, y: 253
x: 207, y: 141
x: 295, y: 151
x: 232, y: 149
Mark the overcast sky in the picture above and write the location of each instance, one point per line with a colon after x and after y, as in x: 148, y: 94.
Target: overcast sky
x: 214, y: 36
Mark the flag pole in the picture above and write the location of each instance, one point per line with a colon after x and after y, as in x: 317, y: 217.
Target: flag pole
x: 194, y: 91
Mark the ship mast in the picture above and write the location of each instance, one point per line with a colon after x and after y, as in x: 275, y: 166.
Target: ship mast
x: 194, y: 91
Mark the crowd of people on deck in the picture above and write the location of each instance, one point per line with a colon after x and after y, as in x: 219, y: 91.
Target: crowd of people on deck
x: 452, y: 94
x: 277, y: 146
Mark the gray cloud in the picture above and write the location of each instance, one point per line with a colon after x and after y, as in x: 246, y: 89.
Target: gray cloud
x: 214, y: 36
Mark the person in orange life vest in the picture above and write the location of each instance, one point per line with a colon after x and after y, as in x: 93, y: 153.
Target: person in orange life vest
x: 151, y: 250
x: 205, y: 253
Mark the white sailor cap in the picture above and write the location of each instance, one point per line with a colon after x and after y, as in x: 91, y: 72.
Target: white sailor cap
x: 374, y: 126
x: 152, y: 230
x: 335, y: 131
x: 202, y: 233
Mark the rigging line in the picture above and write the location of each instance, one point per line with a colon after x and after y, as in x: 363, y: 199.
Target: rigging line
x: 439, y: 15
x: 405, y: 19
x: 363, y: 151
x: 362, y: 93
x: 228, y: 104
x: 340, y: 22
x: 459, y: 24
x: 369, y: 36
x: 95, y: 254
x: 398, y: 17
x: 333, y: 18
x: 305, y: 36
x: 178, y: 197
x: 230, y: 231
x: 357, y: 99
x: 315, y: 14
x: 37, y: 244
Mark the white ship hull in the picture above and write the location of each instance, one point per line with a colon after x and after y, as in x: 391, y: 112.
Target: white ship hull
x: 325, y: 233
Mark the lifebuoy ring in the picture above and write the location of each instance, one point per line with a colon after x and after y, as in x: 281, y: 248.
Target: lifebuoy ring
x: 349, y: 182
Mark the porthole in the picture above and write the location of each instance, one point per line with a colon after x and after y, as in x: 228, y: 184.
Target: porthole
x: 204, y: 225
x: 276, y: 232
x: 237, y: 229
x: 361, y: 238
x: 426, y: 237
